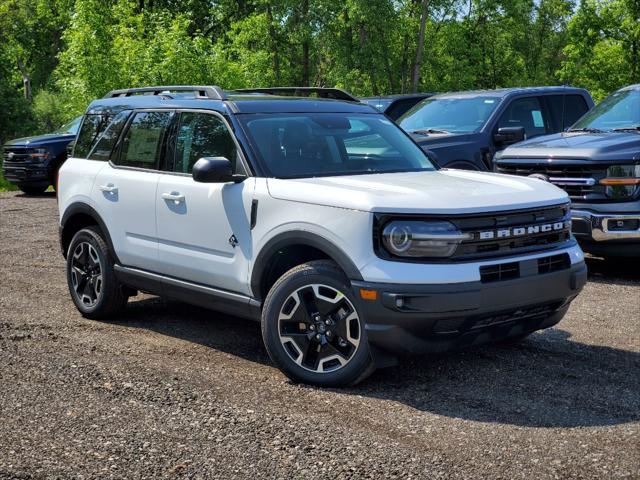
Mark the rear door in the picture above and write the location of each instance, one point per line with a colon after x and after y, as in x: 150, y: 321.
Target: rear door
x: 203, y: 228
x: 125, y: 190
x: 565, y: 110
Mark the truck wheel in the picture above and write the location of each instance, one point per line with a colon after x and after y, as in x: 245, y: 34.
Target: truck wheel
x: 33, y: 190
x: 312, y: 329
x: 92, y: 282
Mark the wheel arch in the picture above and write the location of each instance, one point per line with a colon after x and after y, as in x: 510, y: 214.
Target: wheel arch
x: 309, y: 246
x: 77, y: 216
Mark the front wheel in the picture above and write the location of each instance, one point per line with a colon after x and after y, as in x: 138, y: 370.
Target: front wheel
x: 27, y: 190
x: 312, y: 328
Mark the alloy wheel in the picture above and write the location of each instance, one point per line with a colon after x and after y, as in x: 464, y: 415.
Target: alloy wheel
x: 319, y: 328
x: 86, y: 274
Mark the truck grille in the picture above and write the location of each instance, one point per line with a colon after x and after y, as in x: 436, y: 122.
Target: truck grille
x: 556, y: 172
x: 508, y: 233
x: 14, y: 155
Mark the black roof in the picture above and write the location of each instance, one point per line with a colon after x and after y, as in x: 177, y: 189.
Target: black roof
x: 399, y: 96
x: 263, y: 100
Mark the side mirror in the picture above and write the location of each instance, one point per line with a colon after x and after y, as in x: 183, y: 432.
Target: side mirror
x: 70, y: 146
x: 509, y: 135
x: 214, y: 170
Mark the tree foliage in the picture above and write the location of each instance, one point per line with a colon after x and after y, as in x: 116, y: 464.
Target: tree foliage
x: 57, y: 55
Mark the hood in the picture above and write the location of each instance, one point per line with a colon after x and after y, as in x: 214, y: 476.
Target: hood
x: 442, y: 191
x: 435, y: 141
x: 605, y: 147
x: 40, y: 140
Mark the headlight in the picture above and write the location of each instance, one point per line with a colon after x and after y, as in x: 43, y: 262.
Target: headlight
x: 621, y: 181
x: 40, y: 154
x: 406, y: 238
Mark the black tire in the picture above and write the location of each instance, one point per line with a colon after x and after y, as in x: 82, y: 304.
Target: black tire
x: 291, y: 328
x: 33, y: 190
x: 515, y: 339
x: 96, y: 278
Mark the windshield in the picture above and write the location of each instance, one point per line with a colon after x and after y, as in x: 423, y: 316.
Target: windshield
x: 326, y: 144
x: 449, y: 115
x: 619, y: 110
x: 71, y: 127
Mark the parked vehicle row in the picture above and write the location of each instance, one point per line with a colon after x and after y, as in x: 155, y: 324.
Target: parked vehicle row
x: 318, y: 217
x: 597, y: 162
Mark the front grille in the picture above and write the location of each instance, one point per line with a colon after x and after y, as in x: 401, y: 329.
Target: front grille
x: 523, y: 315
x: 561, y: 170
x: 500, y: 272
x: 554, y: 263
x: 13, y: 155
x: 513, y: 232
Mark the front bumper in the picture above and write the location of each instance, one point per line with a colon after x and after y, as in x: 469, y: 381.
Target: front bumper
x: 438, y: 318
x: 607, y: 233
x: 26, y: 174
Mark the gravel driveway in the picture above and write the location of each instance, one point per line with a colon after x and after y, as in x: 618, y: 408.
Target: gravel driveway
x: 169, y: 390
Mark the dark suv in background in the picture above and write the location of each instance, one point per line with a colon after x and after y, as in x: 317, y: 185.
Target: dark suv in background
x: 597, y: 162
x: 394, y: 106
x: 32, y: 163
x: 465, y: 129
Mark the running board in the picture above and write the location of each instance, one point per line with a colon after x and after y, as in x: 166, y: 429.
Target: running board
x: 188, y: 292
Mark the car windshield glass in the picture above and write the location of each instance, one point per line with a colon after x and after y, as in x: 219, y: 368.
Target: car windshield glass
x: 455, y: 115
x: 619, y: 110
x: 328, y: 144
x: 71, y: 127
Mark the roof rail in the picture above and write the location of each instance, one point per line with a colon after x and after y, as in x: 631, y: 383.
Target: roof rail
x: 322, y: 92
x: 211, y: 92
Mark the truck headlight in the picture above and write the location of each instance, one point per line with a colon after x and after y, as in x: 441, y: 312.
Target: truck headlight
x: 409, y: 238
x: 622, y: 181
x: 39, y: 154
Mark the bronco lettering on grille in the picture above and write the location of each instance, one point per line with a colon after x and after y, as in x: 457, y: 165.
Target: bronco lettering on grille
x: 519, y: 231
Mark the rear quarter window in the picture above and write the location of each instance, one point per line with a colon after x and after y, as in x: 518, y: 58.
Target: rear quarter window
x: 90, y: 130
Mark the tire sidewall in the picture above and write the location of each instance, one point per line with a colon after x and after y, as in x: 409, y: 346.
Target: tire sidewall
x: 290, y: 282
x: 86, y: 235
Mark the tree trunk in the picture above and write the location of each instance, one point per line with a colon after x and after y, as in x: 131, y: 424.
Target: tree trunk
x: 415, y: 79
x: 26, y: 79
x: 274, y: 45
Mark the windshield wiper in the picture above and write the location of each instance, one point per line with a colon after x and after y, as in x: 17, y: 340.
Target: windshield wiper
x: 586, y: 129
x: 635, y: 128
x: 427, y: 131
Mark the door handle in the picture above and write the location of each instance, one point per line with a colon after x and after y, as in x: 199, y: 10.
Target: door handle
x: 108, y: 188
x: 176, y: 197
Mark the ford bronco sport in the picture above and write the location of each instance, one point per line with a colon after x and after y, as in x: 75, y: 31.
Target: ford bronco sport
x: 318, y: 217
x: 597, y: 162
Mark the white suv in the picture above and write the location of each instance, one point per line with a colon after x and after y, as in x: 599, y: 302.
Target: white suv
x: 318, y: 217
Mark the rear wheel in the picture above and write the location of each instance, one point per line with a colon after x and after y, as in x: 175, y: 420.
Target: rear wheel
x: 312, y: 328
x: 92, y: 282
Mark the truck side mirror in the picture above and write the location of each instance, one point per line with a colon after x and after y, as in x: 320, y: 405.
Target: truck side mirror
x: 509, y: 135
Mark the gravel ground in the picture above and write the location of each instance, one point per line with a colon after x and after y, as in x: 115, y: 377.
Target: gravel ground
x: 169, y: 390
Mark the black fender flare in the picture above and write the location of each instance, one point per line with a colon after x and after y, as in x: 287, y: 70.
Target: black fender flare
x: 300, y: 237
x: 82, y: 208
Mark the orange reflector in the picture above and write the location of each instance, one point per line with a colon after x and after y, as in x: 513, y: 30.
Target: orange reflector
x: 620, y: 181
x: 368, y: 294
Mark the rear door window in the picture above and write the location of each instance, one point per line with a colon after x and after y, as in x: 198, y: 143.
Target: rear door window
x: 565, y: 110
x: 527, y: 113
x: 144, y: 143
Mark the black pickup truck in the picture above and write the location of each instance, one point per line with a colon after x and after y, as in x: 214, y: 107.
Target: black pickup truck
x: 32, y: 163
x: 597, y: 162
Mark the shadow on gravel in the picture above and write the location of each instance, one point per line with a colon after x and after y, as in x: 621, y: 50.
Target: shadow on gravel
x: 40, y: 195
x: 548, y: 380
x: 613, y: 270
